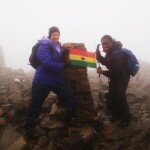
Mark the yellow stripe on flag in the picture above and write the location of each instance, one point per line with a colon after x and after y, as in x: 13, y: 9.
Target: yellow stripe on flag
x: 81, y: 58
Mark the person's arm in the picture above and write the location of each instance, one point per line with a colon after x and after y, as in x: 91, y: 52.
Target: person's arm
x: 46, y: 60
x: 100, y: 71
x: 99, y: 57
x: 117, y: 65
x: 102, y: 60
x: 107, y: 73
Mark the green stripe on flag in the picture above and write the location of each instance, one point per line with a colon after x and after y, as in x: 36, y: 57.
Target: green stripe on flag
x: 83, y: 64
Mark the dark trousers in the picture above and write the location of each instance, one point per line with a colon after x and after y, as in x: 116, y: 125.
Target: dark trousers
x: 39, y: 94
x: 116, y: 99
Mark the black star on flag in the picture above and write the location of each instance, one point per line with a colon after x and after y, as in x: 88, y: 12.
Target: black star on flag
x: 82, y: 58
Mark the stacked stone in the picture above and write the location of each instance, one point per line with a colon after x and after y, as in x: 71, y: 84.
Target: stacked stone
x: 77, y: 77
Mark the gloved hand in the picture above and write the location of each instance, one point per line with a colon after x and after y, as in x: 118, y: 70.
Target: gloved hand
x: 67, y: 64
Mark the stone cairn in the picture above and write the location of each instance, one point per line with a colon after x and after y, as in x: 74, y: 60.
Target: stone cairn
x: 77, y: 77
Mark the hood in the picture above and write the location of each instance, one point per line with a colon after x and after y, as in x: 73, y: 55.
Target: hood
x: 117, y: 45
x: 46, y: 40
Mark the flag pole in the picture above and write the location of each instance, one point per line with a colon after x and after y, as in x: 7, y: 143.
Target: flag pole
x: 99, y: 66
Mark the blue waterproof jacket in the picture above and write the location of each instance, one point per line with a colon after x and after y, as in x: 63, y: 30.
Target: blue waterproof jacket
x: 50, y: 69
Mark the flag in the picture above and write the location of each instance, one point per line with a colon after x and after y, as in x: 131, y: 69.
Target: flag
x: 82, y: 58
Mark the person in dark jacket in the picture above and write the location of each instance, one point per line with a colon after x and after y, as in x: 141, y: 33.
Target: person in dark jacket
x: 115, y: 61
x: 49, y: 77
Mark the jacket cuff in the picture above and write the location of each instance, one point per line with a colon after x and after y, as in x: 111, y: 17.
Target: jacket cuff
x: 106, y: 73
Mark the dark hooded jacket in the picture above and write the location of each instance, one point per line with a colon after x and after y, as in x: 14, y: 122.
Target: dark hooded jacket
x: 115, y: 61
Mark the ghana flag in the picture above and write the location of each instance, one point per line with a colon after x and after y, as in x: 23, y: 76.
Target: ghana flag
x: 82, y: 58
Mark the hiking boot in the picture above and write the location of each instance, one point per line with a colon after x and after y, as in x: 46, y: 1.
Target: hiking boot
x: 70, y: 122
x: 29, y: 134
x: 124, y: 123
x: 113, y: 119
x: 70, y: 118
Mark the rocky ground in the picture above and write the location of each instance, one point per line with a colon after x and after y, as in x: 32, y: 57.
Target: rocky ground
x: 137, y: 134
x: 91, y: 129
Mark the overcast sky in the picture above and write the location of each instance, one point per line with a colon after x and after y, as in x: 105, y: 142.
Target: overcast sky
x: 23, y: 22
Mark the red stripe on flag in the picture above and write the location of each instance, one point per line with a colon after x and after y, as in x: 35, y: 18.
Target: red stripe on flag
x: 82, y: 52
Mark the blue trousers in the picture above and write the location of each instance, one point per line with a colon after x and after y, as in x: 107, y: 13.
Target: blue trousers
x: 39, y: 94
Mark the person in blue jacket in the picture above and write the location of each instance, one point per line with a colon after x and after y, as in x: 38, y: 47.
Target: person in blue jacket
x: 49, y: 77
x: 119, y: 77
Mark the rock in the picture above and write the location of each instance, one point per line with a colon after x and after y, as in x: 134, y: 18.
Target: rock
x: 74, y: 45
x: 25, y: 102
x: 87, y: 133
x: 131, y: 97
x: 146, y: 124
x: 51, y: 124
x: 3, y: 122
x: 15, y: 91
x: 53, y: 109
x: 51, y: 145
x: 59, y: 114
x: 3, y: 90
x: 138, y: 137
x: 123, y: 144
x: 146, y: 97
x: 19, y: 115
x: 9, y: 137
x: 17, y: 80
x: 107, y: 130
x: 6, y: 107
x: 57, y: 133
x: 50, y: 100
x: 54, y: 125
x: 74, y: 139
x: 18, y: 144
x: 43, y: 140
x: 44, y: 120
x: 11, y: 114
x: 1, y: 112
x: 104, y: 86
x: 121, y: 133
x: 2, y: 58
x: 4, y: 99
x: 40, y: 131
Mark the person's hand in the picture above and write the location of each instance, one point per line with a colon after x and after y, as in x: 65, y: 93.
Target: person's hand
x: 98, y: 53
x: 67, y: 64
x: 99, y: 70
x: 98, y: 45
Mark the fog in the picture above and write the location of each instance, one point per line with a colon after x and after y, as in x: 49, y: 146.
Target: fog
x: 23, y: 22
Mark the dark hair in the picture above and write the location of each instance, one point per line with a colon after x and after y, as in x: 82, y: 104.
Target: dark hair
x: 111, y: 39
x: 52, y: 30
x: 116, y: 44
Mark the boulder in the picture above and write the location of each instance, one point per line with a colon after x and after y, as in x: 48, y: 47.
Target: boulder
x: 2, y: 58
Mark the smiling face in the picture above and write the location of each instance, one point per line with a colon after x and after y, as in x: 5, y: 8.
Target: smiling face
x: 55, y: 36
x: 106, y: 44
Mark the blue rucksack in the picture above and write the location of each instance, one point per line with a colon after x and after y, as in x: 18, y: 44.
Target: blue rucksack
x: 132, y: 65
x: 132, y: 62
